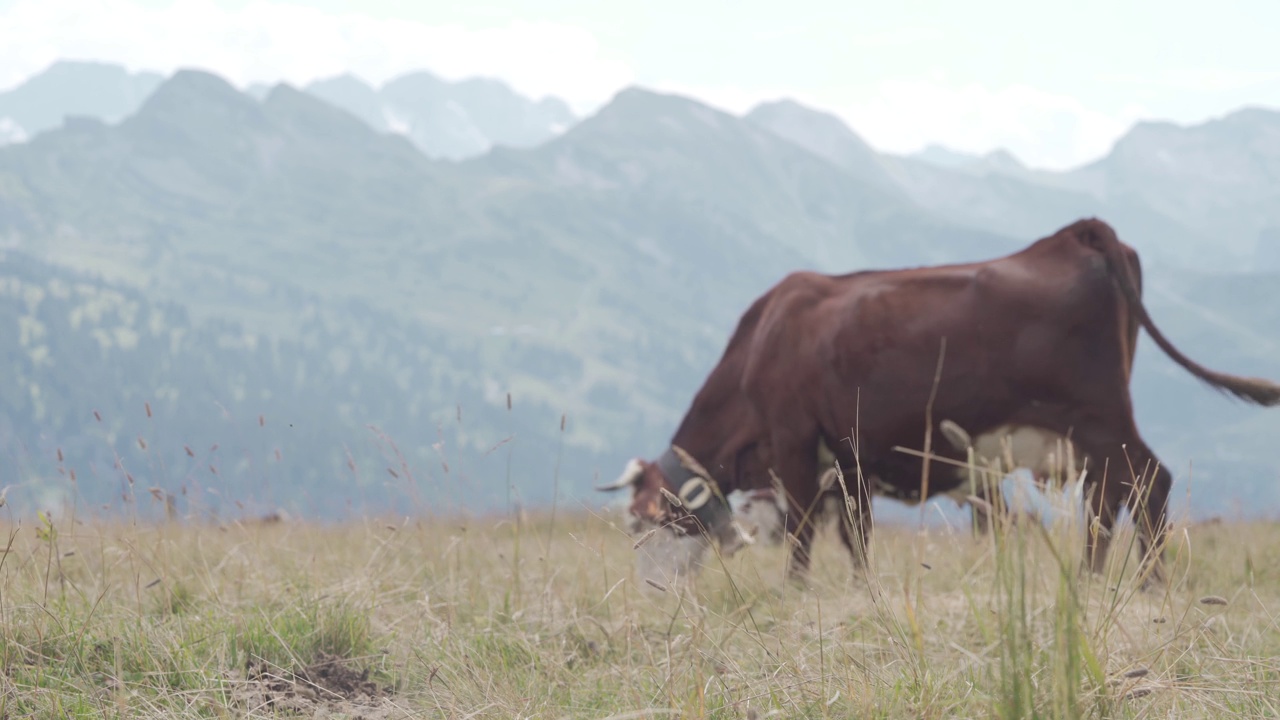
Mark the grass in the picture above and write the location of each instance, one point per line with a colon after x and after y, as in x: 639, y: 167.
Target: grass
x: 523, y: 617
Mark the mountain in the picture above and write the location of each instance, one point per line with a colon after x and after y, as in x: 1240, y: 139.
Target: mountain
x: 1002, y: 203
x: 11, y: 132
x: 71, y: 87
x: 666, y: 206
x: 995, y: 162
x: 1172, y: 190
x: 996, y: 193
x: 1220, y: 178
x: 824, y: 135
x: 595, y: 275
x: 952, y: 185
x: 514, y: 323
x: 943, y: 156
x: 258, y: 90
x: 451, y: 120
x: 1266, y: 254
x: 358, y: 98
x: 1001, y: 161
x: 211, y: 200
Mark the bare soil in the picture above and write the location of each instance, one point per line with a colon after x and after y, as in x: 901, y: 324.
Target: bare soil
x: 329, y: 687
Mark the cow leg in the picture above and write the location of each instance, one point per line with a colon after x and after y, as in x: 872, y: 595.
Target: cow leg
x: 1103, y: 506
x: 855, y: 520
x: 1126, y: 473
x: 1152, y: 513
x: 796, y: 465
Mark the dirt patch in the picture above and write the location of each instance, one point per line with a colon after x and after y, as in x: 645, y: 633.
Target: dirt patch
x: 331, y: 685
x: 334, y: 675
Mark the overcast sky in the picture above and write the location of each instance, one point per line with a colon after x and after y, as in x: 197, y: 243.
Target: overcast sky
x: 1055, y: 83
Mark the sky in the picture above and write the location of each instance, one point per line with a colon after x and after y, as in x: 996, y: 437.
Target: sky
x: 1054, y: 83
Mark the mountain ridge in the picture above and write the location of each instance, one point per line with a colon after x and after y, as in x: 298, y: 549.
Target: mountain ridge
x: 71, y: 87
x: 448, y: 120
x: 594, y: 277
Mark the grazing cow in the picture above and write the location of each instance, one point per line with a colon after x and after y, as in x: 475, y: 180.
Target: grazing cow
x: 1038, y: 344
x: 723, y: 431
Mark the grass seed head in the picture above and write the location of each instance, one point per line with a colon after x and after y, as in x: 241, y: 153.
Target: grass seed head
x: 656, y: 584
x: 644, y: 538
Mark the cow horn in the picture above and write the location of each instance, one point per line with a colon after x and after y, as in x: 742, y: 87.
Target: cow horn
x: 630, y: 475
x: 955, y: 435
x: 687, y: 460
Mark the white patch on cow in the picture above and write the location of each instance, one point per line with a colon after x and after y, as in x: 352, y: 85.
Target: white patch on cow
x: 1048, y: 455
x: 1043, y: 452
x: 760, y: 512
x: 735, y: 538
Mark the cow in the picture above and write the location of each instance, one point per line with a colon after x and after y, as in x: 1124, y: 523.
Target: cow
x: 1038, y: 344
x: 739, y: 497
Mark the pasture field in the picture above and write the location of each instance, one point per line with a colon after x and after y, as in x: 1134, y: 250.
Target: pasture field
x: 542, y: 617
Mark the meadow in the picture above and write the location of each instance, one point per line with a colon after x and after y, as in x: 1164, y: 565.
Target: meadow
x: 548, y: 616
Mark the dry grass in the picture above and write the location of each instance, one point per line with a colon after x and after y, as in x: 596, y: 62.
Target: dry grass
x: 503, y: 619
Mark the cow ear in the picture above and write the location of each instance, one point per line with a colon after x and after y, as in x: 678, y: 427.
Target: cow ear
x: 630, y: 475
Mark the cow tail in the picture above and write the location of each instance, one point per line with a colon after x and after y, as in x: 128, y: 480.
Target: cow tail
x: 1254, y: 390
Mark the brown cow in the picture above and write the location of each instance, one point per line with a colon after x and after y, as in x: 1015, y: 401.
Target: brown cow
x: 1039, y: 343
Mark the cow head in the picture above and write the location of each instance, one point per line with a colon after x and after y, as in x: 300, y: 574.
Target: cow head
x: 677, y: 495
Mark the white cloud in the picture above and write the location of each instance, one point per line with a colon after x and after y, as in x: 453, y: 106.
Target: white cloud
x: 1042, y: 129
x: 269, y: 41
